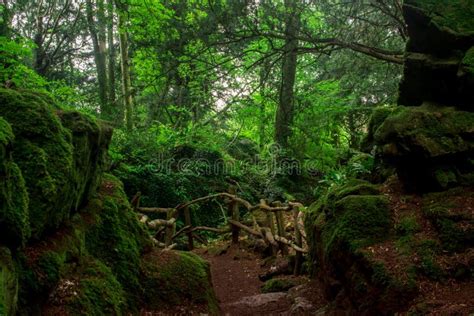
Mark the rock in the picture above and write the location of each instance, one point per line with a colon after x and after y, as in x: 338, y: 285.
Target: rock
x: 268, y: 303
x: 301, y: 306
x: 438, y: 63
x: 278, y: 285
x: 432, y: 148
x: 176, y: 278
x: 348, y: 219
x: 14, y: 216
x: 61, y: 162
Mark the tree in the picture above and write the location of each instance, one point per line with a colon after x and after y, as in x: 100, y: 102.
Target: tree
x: 284, y: 114
x: 125, y: 63
x: 96, y: 24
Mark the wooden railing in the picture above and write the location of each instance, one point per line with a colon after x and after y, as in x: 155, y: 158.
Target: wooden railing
x: 272, y: 233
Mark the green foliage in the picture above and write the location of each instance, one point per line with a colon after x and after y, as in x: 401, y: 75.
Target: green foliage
x: 13, y: 70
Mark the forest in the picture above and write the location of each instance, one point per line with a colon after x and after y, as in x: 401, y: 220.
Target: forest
x: 236, y: 157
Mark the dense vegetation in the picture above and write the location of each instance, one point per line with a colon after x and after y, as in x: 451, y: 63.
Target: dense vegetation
x: 104, y: 101
x: 242, y: 83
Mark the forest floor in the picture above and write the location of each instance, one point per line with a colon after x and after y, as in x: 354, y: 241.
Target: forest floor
x: 235, y: 275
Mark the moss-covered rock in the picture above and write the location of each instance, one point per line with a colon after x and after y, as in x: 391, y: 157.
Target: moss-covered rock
x: 8, y: 283
x: 182, y: 278
x: 441, y: 33
x: 60, y: 168
x: 116, y: 237
x: 89, y: 288
x: 430, y: 146
x: 90, y: 140
x: 278, y: 285
x: 344, y: 223
x: 453, y: 222
x: 14, y: 218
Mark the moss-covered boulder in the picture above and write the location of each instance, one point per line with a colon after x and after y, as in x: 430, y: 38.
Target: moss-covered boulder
x: 8, y: 283
x: 438, y: 59
x: 14, y: 218
x: 116, y: 237
x: 431, y: 147
x: 177, y: 278
x: 59, y: 163
x: 88, y: 288
x: 341, y: 226
x: 452, y: 218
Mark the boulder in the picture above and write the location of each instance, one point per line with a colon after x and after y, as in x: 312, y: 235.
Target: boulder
x: 60, y: 160
x: 341, y: 226
x: 14, y: 217
x: 439, y: 55
x: 432, y: 148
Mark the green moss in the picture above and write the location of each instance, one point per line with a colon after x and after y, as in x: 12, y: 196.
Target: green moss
x: 90, y: 140
x: 14, y: 219
x: 468, y: 60
x: 445, y: 177
x: 44, y: 154
x: 427, y: 250
x: 176, y: 279
x: 452, y: 14
x: 61, y: 165
x: 407, y: 226
x: 117, y: 238
x: 8, y: 283
x: 419, y: 130
x: 99, y: 293
x: 359, y: 221
x: 6, y: 134
x: 278, y: 285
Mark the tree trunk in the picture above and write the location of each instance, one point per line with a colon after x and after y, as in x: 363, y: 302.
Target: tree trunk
x: 125, y: 65
x: 98, y: 42
x: 111, y: 54
x: 284, y: 115
x: 5, y: 19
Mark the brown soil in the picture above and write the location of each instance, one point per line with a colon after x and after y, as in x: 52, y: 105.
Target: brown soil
x: 234, y: 274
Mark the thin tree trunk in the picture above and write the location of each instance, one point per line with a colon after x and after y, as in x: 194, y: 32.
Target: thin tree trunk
x: 98, y: 43
x: 125, y: 65
x: 285, y: 111
x: 111, y: 53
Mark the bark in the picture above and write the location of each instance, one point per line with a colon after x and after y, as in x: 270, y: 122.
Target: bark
x: 98, y: 42
x: 125, y: 65
x: 285, y: 111
x: 111, y: 53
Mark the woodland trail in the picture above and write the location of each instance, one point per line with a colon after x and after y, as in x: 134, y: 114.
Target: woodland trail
x: 235, y: 277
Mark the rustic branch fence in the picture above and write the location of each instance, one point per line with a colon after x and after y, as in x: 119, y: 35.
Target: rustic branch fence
x: 272, y: 233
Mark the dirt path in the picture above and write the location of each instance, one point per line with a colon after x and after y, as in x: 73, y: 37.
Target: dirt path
x: 235, y: 280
